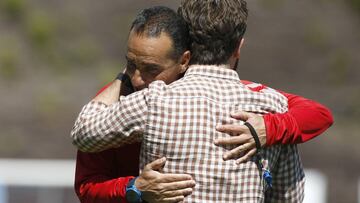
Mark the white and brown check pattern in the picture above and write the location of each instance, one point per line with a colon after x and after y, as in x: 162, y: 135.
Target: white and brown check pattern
x: 178, y: 121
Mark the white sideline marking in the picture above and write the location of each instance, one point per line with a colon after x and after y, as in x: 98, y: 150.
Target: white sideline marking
x: 315, y: 187
x: 27, y: 172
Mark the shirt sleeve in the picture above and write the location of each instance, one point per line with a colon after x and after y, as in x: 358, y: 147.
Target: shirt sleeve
x: 99, y: 177
x: 100, y: 126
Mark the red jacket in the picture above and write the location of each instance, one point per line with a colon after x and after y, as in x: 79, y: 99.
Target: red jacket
x: 102, y: 177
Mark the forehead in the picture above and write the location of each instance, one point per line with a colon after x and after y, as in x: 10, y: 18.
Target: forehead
x: 143, y: 48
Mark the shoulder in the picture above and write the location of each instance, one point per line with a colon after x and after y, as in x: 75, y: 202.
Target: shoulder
x: 275, y: 95
x: 257, y: 87
x: 157, y: 86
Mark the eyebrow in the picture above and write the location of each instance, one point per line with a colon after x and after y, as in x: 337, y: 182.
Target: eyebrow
x: 151, y: 65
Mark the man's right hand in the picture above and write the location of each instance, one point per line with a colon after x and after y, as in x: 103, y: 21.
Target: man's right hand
x: 163, y: 188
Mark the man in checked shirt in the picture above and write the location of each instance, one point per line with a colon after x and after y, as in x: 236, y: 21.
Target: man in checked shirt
x: 178, y: 120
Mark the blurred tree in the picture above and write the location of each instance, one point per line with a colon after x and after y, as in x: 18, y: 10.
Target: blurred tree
x: 40, y: 29
x: 8, y: 63
x: 14, y: 9
x: 48, y: 104
x: 83, y: 52
x: 355, y: 4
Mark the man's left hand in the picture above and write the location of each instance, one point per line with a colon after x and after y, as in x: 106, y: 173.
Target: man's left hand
x: 241, y: 136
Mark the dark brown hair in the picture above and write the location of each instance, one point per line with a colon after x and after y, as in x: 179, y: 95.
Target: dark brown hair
x: 216, y: 28
x: 151, y: 22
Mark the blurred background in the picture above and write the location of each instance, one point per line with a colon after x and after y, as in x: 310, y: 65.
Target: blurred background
x: 55, y: 55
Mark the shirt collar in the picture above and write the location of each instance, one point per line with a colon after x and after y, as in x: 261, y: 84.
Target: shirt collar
x: 216, y: 71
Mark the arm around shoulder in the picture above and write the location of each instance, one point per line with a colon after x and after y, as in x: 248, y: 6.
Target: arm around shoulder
x: 108, y: 122
x: 304, y: 120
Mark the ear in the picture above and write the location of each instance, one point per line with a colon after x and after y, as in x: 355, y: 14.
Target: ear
x: 184, y: 61
x: 238, y: 48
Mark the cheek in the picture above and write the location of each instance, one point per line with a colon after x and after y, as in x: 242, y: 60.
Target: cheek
x: 169, y: 76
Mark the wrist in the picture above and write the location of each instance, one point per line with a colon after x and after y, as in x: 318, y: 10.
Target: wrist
x: 120, y: 76
x: 126, y: 85
x: 123, y: 77
x: 133, y: 194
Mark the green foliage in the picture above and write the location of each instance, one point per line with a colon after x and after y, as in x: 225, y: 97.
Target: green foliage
x: 48, y: 104
x: 61, y: 59
x: 14, y: 9
x: 83, y: 52
x: 8, y: 63
x: 55, y: 61
x: 40, y: 29
x: 355, y: 4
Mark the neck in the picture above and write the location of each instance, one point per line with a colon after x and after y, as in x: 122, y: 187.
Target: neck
x: 223, y: 66
x: 233, y: 63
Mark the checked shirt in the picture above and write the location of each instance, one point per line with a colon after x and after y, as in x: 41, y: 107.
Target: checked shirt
x: 178, y: 121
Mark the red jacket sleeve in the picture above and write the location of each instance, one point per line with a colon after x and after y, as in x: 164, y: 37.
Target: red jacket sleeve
x: 94, y: 178
x: 102, y: 177
x: 304, y: 120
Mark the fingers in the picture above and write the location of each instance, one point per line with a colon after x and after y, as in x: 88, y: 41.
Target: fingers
x: 247, y: 156
x: 168, y: 178
x: 233, y: 140
x: 181, y: 190
x: 232, y: 129
x: 237, y: 152
x: 176, y: 193
x: 173, y: 199
x: 156, y: 165
x: 172, y: 192
x: 180, y: 185
x: 242, y: 115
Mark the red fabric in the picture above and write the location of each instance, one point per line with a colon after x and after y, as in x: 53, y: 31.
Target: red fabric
x: 294, y: 127
x: 102, y: 177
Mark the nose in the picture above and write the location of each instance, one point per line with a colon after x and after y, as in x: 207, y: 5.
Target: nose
x: 137, y: 81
